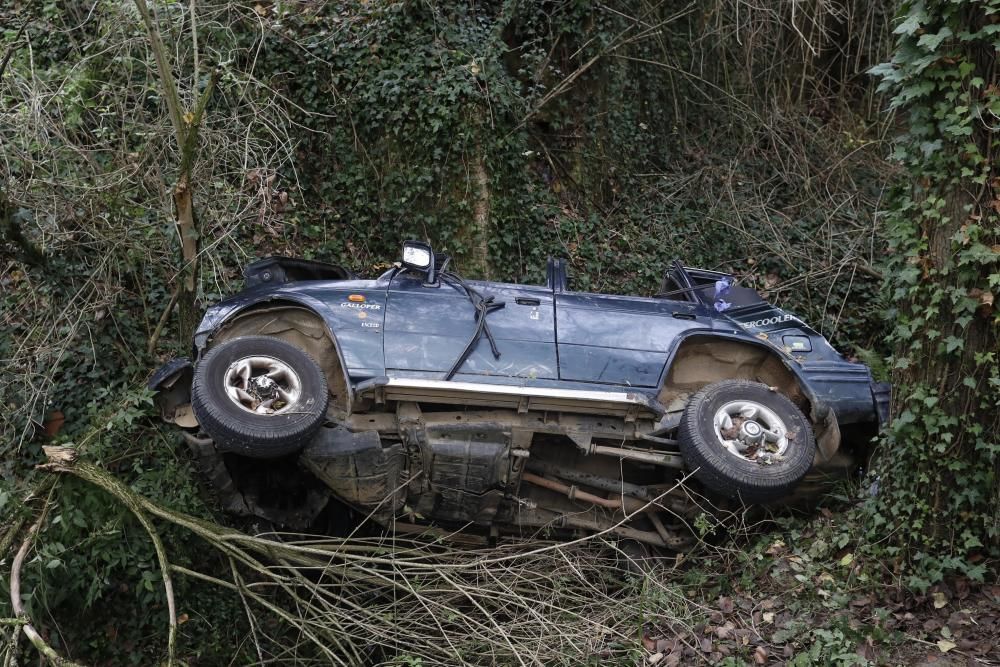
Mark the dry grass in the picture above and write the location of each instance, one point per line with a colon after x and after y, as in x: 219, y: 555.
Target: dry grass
x: 392, y: 600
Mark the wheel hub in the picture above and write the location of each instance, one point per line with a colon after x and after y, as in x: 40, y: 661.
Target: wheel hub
x: 262, y: 388
x: 262, y: 385
x: 751, y: 431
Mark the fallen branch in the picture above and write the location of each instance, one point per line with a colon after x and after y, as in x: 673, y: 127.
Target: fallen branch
x: 27, y: 628
x: 66, y: 458
x: 364, y: 600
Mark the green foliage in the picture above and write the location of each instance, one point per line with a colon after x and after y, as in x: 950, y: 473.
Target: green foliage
x: 413, y: 104
x: 93, y: 555
x: 618, y: 136
x: 940, y: 491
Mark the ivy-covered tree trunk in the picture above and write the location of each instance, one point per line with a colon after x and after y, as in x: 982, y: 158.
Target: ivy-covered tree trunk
x: 940, y: 488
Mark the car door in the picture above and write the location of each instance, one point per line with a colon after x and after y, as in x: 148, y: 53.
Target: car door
x: 428, y: 327
x: 621, y: 340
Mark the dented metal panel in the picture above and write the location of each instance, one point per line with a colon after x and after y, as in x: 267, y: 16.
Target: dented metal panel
x: 574, y: 393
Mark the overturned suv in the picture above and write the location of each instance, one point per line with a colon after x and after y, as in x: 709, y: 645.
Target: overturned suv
x: 420, y: 401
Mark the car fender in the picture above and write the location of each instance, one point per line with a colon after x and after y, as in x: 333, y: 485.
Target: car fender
x: 354, y: 328
x: 820, y: 413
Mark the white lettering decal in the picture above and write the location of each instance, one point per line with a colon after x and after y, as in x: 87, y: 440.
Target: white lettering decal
x: 361, y: 306
x: 768, y: 321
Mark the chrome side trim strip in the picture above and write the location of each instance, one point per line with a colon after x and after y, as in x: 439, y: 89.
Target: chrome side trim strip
x: 498, y: 395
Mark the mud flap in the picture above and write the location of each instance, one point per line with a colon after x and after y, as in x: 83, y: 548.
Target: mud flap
x: 826, y: 428
x: 882, y: 395
x: 172, y: 384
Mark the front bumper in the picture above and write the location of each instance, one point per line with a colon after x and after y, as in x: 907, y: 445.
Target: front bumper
x: 882, y: 396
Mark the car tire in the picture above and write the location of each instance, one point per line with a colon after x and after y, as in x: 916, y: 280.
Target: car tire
x: 755, y: 465
x: 259, y: 396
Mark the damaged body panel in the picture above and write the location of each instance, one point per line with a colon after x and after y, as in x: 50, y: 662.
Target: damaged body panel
x: 419, y: 397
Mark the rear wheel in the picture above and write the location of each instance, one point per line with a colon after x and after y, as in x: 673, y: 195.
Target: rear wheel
x: 745, y: 440
x: 259, y: 396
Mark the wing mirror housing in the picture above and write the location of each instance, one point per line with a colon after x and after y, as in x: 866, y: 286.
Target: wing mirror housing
x: 419, y: 256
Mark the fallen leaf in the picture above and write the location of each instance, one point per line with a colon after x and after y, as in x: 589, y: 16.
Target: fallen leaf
x: 940, y: 600
x: 847, y: 560
x: 768, y: 617
x: 666, y: 645
x: 183, y: 618
x: 944, y: 645
x: 655, y: 658
x: 726, y: 605
x: 962, y: 588
x: 648, y: 644
x: 760, y: 655
x: 706, y: 645
x: 867, y: 650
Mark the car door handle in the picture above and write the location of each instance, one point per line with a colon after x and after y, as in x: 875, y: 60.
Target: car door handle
x: 526, y: 301
x: 684, y: 316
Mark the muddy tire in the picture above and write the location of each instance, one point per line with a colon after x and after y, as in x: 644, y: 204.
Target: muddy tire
x: 743, y: 440
x: 259, y: 396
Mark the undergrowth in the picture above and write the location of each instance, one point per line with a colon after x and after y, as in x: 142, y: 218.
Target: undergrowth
x: 620, y: 136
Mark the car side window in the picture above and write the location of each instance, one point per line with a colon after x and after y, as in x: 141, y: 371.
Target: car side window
x: 673, y: 290
x: 556, y: 276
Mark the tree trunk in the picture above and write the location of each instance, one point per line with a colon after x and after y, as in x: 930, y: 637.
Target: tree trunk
x: 186, y: 135
x: 480, y: 255
x: 940, y: 464
x: 187, y: 310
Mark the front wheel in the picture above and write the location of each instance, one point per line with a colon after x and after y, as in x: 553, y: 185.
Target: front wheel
x: 744, y: 440
x: 259, y: 396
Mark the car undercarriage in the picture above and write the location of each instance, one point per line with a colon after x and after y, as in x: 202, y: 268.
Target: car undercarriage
x: 293, y: 424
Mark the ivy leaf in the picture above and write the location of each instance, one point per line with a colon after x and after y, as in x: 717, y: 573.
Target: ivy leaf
x: 931, y: 41
x: 911, y: 24
x: 930, y: 147
x: 882, y: 69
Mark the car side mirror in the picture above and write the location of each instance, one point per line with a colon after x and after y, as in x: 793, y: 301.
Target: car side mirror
x: 418, y: 256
